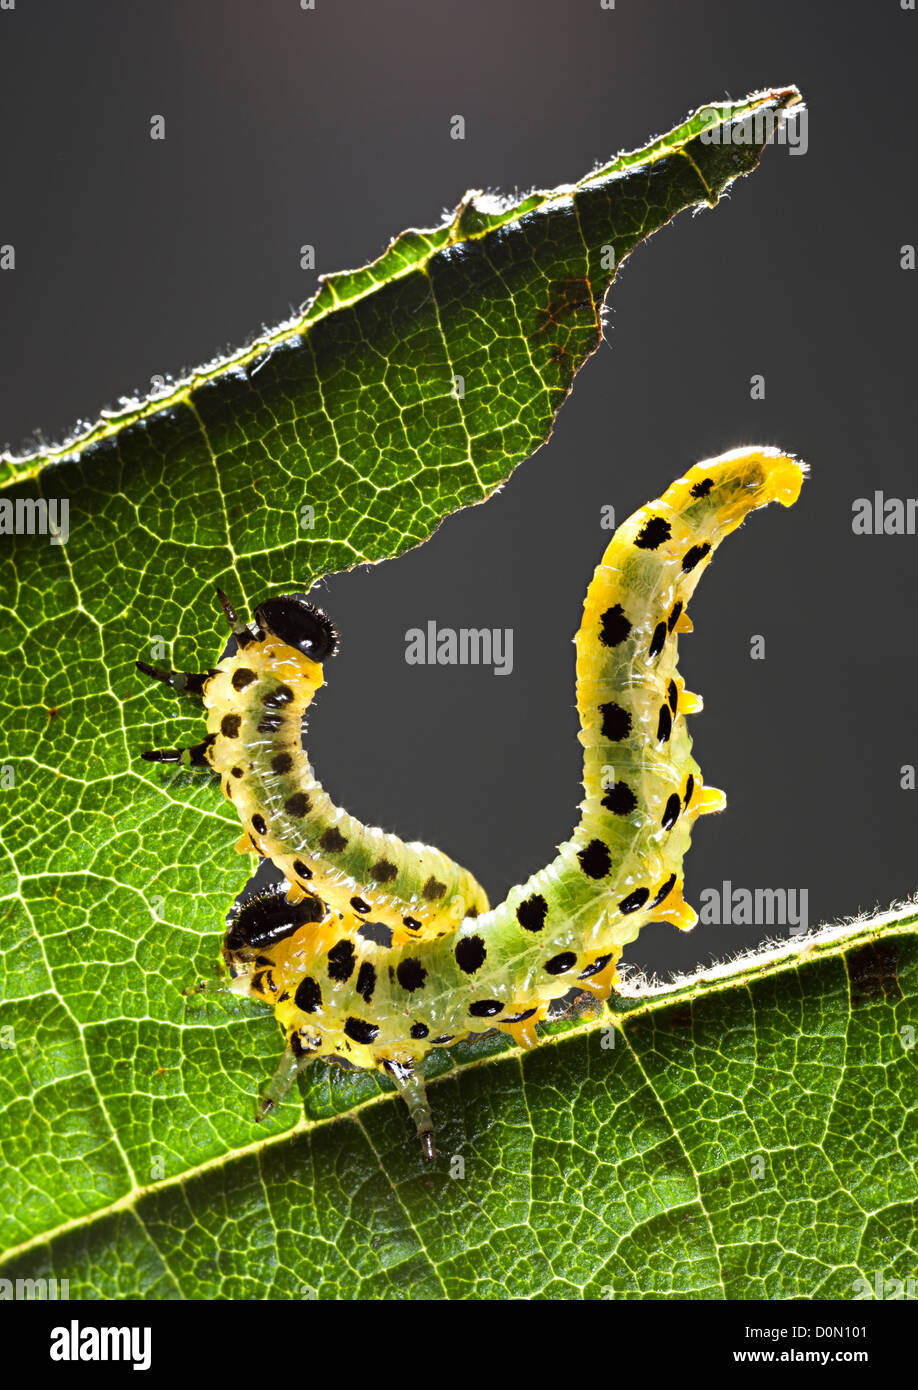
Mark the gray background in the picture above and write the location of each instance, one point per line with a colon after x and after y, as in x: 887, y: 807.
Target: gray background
x: 332, y: 127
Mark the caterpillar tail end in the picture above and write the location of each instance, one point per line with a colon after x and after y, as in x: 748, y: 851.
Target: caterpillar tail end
x: 763, y: 475
x: 786, y: 475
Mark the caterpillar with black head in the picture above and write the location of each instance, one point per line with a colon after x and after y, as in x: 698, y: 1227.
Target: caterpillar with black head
x: 256, y: 702
x: 340, y: 995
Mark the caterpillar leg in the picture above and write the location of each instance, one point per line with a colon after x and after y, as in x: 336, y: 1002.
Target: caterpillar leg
x: 220, y: 985
x: 678, y: 913
x: 601, y: 982
x: 523, y: 1034
x: 183, y: 682
x: 197, y: 755
x: 410, y: 1082
x: 710, y: 801
x: 240, y: 630
x: 288, y: 1068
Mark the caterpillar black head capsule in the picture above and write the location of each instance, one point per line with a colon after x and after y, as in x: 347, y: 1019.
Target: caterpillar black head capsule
x: 263, y: 920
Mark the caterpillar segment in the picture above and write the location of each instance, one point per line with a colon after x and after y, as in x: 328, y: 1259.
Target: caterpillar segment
x: 256, y: 702
x: 338, y: 995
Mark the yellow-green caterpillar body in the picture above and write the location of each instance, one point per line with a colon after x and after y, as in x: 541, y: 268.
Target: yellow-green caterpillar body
x: 339, y: 995
x: 256, y: 702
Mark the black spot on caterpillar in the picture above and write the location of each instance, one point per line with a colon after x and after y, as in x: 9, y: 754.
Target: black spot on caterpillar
x: 339, y: 995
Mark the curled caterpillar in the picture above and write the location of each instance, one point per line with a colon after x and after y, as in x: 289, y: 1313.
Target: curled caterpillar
x: 340, y: 995
x: 256, y: 701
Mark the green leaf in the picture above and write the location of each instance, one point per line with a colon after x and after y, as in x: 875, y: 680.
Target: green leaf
x: 749, y: 1136
x: 133, y: 1163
